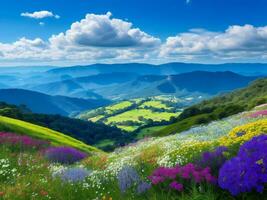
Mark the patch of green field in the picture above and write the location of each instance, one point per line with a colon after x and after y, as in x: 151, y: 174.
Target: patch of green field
x: 56, y: 138
x: 134, y: 115
x: 105, y: 143
x: 127, y: 128
x: 95, y: 119
x: 154, y: 104
x: 118, y: 106
x: 145, y: 132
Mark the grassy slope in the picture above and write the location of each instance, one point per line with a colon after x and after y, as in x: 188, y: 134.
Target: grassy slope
x: 56, y: 138
x: 219, y: 107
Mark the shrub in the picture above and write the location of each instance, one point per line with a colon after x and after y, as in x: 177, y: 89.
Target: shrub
x: 64, y: 155
x: 246, y: 171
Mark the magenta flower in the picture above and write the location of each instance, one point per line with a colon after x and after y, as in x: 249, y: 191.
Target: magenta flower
x: 22, y: 142
x: 183, y: 174
x: 258, y: 113
x: 177, y: 186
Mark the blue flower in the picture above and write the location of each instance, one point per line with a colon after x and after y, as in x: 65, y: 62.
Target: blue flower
x: 74, y: 174
x: 143, y: 187
x: 248, y: 170
x: 127, y: 178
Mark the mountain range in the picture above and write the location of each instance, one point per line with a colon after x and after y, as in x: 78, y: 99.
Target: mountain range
x: 42, y: 103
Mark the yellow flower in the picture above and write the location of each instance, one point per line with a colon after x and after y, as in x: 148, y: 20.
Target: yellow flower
x: 243, y: 133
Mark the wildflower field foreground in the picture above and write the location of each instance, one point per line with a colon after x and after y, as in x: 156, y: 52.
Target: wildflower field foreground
x: 225, y: 159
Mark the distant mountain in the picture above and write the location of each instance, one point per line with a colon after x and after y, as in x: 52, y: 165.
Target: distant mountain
x: 126, y: 85
x: 163, y: 69
x: 108, y: 78
x: 205, y: 82
x: 42, y: 103
x: 59, y: 87
x: 77, y: 71
x: 85, y: 86
x: 198, y: 82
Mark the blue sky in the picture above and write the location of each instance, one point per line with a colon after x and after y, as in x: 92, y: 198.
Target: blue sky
x: 207, y: 31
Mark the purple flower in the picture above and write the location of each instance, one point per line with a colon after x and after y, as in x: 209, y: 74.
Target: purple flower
x: 127, y: 178
x: 64, y: 155
x: 177, y: 186
x: 22, y: 142
x: 143, y: 187
x: 214, y: 159
x: 248, y: 170
x: 187, y: 173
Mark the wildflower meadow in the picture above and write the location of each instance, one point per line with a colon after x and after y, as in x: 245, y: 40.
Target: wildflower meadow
x: 225, y: 159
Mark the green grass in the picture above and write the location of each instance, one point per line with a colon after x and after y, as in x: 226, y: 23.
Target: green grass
x: 149, y: 131
x: 134, y: 115
x: 154, y: 104
x: 56, y: 138
x: 105, y: 143
x: 119, y: 106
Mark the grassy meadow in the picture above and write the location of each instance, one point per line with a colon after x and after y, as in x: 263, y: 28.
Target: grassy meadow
x: 142, y: 170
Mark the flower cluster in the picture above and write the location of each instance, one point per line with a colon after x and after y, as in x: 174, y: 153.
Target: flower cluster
x: 214, y: 159
x: 248, y: 170
x: 258, y: 113
x: 179, y: 175
x: 7, y: 172
x: 244, y: 133
x: 75, y: 174
x: 128, y: 178
x: 64, y: 155
x: 21, y: 142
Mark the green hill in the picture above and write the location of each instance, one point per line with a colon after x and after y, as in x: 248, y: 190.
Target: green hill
x: 134, y: 114
x: 56, y: 138
x: 85, y: 131
x: 219, y: 107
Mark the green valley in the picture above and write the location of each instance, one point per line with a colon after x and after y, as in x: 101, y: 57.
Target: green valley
x: 135, y: 114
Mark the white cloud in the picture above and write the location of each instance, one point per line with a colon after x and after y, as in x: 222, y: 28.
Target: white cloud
x: 93, y: 39
x: 101, y: 38
x: 103, y: 31
x: 236, y: 42
x: 41, y: 23
x: 40, y: 14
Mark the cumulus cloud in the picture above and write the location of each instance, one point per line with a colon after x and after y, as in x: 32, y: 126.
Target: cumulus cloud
x: 95, y: 38
x: 102, y: 38
x: 104, y: 31
x: 40, y: 14
x: 235, y: 42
